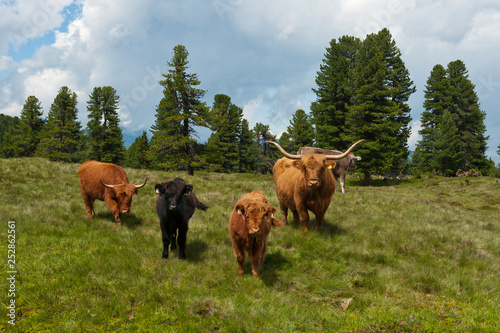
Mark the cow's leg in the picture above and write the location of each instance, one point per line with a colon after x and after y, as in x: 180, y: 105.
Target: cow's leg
x: 342, y: 182
x: 181, y: 240
x: 89, y: 205
x: 239, y: 253
x: 263, y: 254
x: 304, y: 218
x: 319, y: 220
x: 284, y: 213
x: 296, y: 216
x: 113, y: 206
x: 173, y: 241
x: 165, y: 237
x: 255, y: 258
x: 337, y: 182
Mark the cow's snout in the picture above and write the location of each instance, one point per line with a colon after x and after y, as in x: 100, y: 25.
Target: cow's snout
x: 254, y: 231
x: 313, y: 183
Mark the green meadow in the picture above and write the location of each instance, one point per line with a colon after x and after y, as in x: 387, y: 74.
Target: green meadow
x: 413, y: 255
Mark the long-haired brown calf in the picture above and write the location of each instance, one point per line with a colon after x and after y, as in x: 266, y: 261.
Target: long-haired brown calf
x: 249, y: 226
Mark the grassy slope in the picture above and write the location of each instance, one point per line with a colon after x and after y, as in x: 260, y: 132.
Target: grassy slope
x: 415, y: 256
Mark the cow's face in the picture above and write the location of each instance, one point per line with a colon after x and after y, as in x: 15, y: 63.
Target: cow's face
x: 257, y: 216
x: 313, y: 167
x: 173, y: 192
x: 123, y: 195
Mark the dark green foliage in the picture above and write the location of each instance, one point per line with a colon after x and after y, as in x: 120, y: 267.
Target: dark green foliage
x: 470, y: 122
x: 300, y: 133
x: 447, y: 142
x: 137, y: 155
x: 248, y: 151
x: 379, y: 112
x: 222, y: 148
x: 453, y: 130
x: 60, y: 137
x: 104, y: 138
x: 267, y: 156
x: 26, y: 135
x: 8, y: 125
x: 334, y: 92
x: 437, y: 99
x: 173, y: 144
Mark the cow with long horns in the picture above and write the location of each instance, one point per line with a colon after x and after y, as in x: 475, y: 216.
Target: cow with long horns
x: 305, y: 182
x: 341, y: 167
x: 109, y: 183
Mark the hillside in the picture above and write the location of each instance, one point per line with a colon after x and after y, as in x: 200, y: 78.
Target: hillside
x: 406, y: 256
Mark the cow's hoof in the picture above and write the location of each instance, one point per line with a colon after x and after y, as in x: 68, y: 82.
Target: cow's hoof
x: 118, y: 224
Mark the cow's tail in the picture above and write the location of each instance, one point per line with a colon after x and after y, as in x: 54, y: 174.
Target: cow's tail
x: 201, y: 205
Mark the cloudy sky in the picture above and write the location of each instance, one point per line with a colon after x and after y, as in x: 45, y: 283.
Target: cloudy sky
x: 263, y: 54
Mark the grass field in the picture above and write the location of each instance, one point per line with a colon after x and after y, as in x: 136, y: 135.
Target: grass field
x: 398, y: 256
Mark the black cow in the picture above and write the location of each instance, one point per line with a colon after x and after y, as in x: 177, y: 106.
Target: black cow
x: 175, y: 205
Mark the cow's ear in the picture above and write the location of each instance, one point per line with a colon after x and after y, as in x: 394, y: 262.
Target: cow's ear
x: 330, y: 164
x: 159, y: 189
x: 274, y: 221
x: 187, y: 189
x: 297, y: 164
x: 271, y: 210
x: 240, y: 209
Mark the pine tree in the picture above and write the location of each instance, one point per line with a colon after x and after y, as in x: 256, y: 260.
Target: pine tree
x: 104, y: 136
x: 447, y: 141
x: 137, y: 154
x: 248, y: 151
x: 267, y: 156
x: 222, y: 146
x: 300, y: 132
x: 450, y: 91
x: 334, y: 93
x: 8, y: 127
x: 61, y: 135
x: 173, y: 144
x: 470, y: 121
x: 27, y: 134
x: 378, y: 112
x: 437, y: 100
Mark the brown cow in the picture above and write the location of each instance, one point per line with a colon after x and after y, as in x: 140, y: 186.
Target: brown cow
x: 342, y: 166
x: 303, y: 182
x: 249, y: 226
x: 106, y: 182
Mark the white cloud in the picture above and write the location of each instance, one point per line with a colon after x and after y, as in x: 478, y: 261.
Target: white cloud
x: 262, y: 54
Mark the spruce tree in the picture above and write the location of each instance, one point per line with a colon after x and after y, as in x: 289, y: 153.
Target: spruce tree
x: 334, y: 93
x: 104, y: 136
x: 222, y: 146
x: 378, y: 112
x: 173, y: 144
x: 61, y: 135
x: 27, y: 134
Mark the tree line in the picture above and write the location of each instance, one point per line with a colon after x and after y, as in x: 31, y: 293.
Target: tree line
x: 362, y: 92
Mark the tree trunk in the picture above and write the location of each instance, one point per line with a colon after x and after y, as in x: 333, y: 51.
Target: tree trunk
x: 366, y: 181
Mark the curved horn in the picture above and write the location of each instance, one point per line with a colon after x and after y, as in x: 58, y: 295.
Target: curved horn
x: 338, y: 157
x: 328, y: 157
x: 106, y: 185
x: 139, y: 186
x: 290, y: 156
